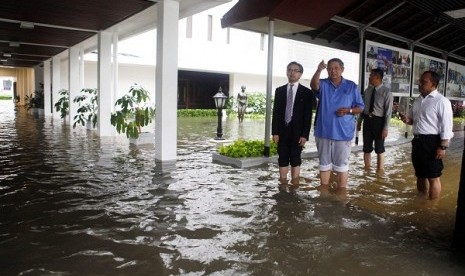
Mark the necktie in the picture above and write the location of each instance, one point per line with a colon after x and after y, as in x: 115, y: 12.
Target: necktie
x: 372, y: 101
x: 290, y: 99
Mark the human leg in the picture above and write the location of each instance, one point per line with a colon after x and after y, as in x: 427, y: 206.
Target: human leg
x: 295, y: 175
x: 324, y: 178
x: 367, y: 141
x: 367, y: 160
x: 283, y: 172
x: 324, y: 154
x: 380, y: 164
x: 428, y: 168
x: 340, y: 157
x: 422, y: 185
x: 434, y: 187
x: 342, y: 178
x: 378, y: 128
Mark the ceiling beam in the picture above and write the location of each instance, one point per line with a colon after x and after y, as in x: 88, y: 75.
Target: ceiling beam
x: 47, y: 25
x: 34, y: 44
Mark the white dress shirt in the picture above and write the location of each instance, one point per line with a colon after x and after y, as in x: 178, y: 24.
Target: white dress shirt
x: 432, y: 115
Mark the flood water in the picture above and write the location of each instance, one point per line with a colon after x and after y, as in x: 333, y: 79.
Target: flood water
x: 76, y: 204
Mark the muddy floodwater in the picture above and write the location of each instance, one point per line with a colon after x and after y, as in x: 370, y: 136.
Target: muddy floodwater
x: 73, y: 203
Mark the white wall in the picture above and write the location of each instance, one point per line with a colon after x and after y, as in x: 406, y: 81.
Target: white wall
x: 244, y: 58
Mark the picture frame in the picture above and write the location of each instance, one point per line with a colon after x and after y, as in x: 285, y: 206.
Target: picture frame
x: 396, y: 64
x: 455, y: 86
x: 422, y: 63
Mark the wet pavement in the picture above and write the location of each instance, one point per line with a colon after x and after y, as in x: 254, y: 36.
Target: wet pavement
x: 76, y: 204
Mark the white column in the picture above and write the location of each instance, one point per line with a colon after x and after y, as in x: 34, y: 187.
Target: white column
x: 56, y: 83
x: 166, y: 81
x: 81, y: 68
x: 104, y: 81
x: 47, y: 88
x: 73, y: 81
x: 115, y: 39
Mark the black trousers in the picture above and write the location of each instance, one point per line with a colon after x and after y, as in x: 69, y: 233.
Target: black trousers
x: 424, y: 159
x: 289, y: 151
x: 372, y: 129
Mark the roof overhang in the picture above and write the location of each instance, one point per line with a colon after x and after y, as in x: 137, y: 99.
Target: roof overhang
x: 289, y: 16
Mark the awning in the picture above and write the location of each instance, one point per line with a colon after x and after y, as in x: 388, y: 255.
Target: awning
x: 290, y: 16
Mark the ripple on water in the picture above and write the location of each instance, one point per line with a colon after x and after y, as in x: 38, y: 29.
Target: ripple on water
x: 70, y: 199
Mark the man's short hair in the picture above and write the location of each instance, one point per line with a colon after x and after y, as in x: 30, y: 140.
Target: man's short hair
x: 338, y: 60
x: 301, y: 68
x: 434, y: 77
x: 378, y: 72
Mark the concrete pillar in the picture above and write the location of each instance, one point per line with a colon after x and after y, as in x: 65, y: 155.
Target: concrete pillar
x: 115, y: 39
x: 56, y: 83
x: 73, y: 81
x: 166, y: 87
x: 48, y: 108
x: 104, y: 85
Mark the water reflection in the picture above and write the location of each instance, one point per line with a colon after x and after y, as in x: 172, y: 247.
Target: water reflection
x: 76, y: 204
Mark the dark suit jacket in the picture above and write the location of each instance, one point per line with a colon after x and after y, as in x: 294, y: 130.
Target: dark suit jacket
x: 301, y: 114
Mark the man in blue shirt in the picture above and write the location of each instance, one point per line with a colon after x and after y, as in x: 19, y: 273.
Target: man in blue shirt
x: 339, y: 100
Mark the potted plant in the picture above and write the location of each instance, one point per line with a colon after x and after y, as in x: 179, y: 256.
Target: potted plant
x: 29, y: 101
x: 62, y: 105
x: 35, y: 102
x: 87, y: 111
x: 133, y: 112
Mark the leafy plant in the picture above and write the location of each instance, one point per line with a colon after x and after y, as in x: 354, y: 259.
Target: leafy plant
x: 256, y: 104
x: 35, y: 100
x: 62, y: 105
x: 29, y: 101
x: 133, y: 112
x: 197, y: 112
x: 242, y: 148
x: 87, y: 111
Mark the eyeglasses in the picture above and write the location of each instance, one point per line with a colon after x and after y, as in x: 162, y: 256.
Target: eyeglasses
x: 294, y: 70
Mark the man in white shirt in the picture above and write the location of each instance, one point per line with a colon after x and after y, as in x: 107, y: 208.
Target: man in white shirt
x: 431, y: 117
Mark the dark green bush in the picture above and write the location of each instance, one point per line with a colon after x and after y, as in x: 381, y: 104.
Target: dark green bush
x: 197, y: 112
x: 256, y: 103
x: 5, y: 97
x: 242, y: 148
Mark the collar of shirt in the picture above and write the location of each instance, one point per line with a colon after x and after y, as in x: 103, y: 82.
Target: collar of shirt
x: 377, y: 87
x: 433, y: 94
x: 294, y: 86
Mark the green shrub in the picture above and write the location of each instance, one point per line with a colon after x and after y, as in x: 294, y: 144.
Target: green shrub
x: 256, y: 103
x: 242, y: 148
x: 5, y: 97
x: 197, y: 112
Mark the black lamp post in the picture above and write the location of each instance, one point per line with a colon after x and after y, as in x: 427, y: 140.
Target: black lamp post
x: 220, y: 100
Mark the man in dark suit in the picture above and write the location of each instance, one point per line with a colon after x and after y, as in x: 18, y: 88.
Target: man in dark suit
x: 291, y: 121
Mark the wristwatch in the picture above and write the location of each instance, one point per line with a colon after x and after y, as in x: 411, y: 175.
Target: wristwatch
x: 443, y: 147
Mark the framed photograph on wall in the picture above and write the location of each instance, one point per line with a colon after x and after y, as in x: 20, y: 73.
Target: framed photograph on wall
x: 422, y: 63
x: 395, y: 62
x: 455, y: 86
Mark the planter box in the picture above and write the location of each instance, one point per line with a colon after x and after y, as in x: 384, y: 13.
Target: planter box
x: 144, y: 138
x: 243, y: 162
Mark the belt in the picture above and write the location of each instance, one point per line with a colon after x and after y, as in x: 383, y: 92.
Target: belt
x: 370, y: 115
x: 424, y: 135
